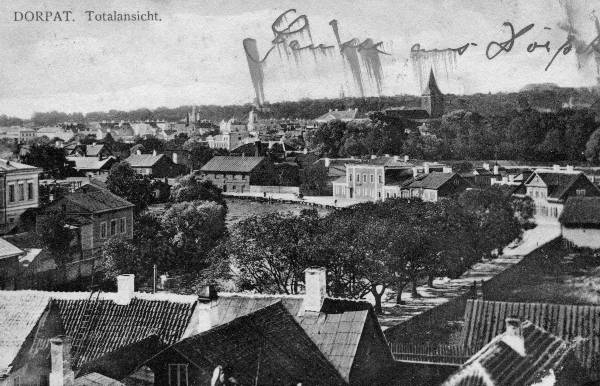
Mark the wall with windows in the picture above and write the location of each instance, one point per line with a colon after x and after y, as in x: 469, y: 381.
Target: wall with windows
x: 21, y: 192
x: 106, y: 225
x: 365, y: 181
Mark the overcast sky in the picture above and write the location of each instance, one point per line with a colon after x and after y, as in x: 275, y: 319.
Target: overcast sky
x: 195, y: 55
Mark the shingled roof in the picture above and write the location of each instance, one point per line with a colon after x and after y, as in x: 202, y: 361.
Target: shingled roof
x: 433, y: 180
x: 232, y: 164
x: 92, y: 163
x: 143, y: 160
x: 267, y: 343
x: 581, y: 211
x: 486, y: 319
x: 497, y: 363
x: 558, y: 182
x: 9, y: 250
x: 92, y: 201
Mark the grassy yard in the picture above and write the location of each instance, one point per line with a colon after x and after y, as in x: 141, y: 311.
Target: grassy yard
x: 553, y: 275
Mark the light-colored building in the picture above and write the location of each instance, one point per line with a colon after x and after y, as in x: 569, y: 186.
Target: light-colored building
x: 550, y: 188
x: 52, y: 132
x: 18, y: 133
x: 580, y: 222
x: 337, y: 115
x: 229, y: 141
x: 19, y: 185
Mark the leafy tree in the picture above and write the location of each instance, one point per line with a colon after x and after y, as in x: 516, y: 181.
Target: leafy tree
x: 286, y: 175
x: 49, y: 158
x: 56, y: 236
x: 119, y: 256
x: 123, y: 181
x: 193, y: 229
x: 314, y: 179
x: 592, y: 148
x: 189, y: 188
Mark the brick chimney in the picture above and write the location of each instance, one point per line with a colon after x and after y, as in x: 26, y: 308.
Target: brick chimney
x: 125, y: 289
x: 154, y: 152
x: 315, y: 283
x: 556, y: 168
x: 327, y: 162
x: 496, y: 170
x: 60, y: 362
x: 513, y: 336
x: 206, y: 310
x: 406, y: 158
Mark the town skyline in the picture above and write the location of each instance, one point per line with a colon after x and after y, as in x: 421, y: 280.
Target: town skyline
x: 74, y: 68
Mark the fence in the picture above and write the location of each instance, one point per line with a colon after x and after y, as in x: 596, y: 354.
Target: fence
x: 274, y: 189
x: 431, y: 354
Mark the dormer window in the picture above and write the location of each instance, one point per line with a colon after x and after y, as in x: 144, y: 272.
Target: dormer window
x: 580, y: 192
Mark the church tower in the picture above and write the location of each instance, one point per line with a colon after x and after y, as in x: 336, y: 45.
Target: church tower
x: 432, y: 98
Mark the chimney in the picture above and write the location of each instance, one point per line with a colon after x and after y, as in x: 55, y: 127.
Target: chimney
x: 138, y: 152
x: 426, y: 168
x: 60, y: 362
x: 447, y: 169
x: 570, y: 168
x: 315, y: 284
x: 396, y: 158
x: 415, y: 171
x: 387, y: 155
x: 125, y: 288
x: 327, y: 162
x: 174, y: 157
x: 373, y: 156
x: 556, y: 168
x: 486, y: 166
x: 496, y: 170
x: 207, y: 311
x: 305, y: 151
x: 154, y: 152
x: 513, y: 336
x: 406, y: 158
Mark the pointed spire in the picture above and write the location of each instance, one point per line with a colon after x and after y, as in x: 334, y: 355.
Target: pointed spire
x: 432, y: 86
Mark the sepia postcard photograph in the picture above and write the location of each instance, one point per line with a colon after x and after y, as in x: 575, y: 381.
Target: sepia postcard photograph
x: 300, y: 192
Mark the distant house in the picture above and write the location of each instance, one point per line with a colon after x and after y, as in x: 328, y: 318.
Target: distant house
x: 550, y: 188
x: 435, y: 185
x: 236, y: 174
x: 524, y: 354
x: 17, y: 133
x: 92, y: 166
x: 337, y: 115
x: 485, y: 320
x: 101, y: 151
x: 580, y: 222
x: 95, y: 215
x: 9, y: 264
x: 18, y: 192
x: 229, y: 141
x: 52, y: 132
x: 155, y: 165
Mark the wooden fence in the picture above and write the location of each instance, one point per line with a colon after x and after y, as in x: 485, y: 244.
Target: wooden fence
x: 431, y: 354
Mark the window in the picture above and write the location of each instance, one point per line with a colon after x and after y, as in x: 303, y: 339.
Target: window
x: 21, y: 191
x: 372, y: 178
x: 380, y: 179
x: 11, y: 220
x: 113, y: 227
x: 122, y: 225
x: 350, y: 177
x: 30, y: 190
x: 103, y: 230
x: 11, y: 193
x: 364, y: 178
x: 178, y: 374
x: 580, y: 192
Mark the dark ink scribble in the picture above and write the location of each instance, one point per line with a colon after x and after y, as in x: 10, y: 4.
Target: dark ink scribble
x: 507, y: 45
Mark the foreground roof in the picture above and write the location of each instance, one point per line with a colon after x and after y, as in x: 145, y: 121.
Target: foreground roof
x: 583, y: 211
x: 12, y: 166
x: 486, y: 319
x: 269, y: 339
x: 91, y: 163
x: 232, y: 164
x: 8, y: 250
x: 497, y: 363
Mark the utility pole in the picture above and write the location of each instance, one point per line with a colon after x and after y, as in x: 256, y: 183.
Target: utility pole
x: 154, y: 279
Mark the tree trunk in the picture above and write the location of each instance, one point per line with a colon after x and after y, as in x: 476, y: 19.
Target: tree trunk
x: 377, y: 296
x: 430, y: 278
x: 413, y: 291
x: 399, y: 288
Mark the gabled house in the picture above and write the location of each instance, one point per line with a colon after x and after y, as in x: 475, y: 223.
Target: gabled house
x: 95, y: 215
x: 9, y: 263
x: 579, y: 324
x: 580, y: 222
x: 524, y: 354
x: 92, y: 166
x: 101, y: 151
x: 550, y: 188
x: 265, y: 347
x: 236, y: 174
x: 154, y: 165
x: 59, y: 336
x: 341, y: 115
x: 435, y: 185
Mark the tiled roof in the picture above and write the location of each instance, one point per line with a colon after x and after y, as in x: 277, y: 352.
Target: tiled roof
x: 8, y: 250
x: 499, y: 364
x: 433, y: 180
x: 340, y: 180
x: 92, y: 379
x: 114, y: 326
x: 486, y: 319
x: 583, y: 211
x: 143, y: 160
x: 19, y: 314
x: 93, y: 151
x: 558, y: 182
x: 93, y: 201
x: 232, y: 164
x: 267, y: 343
x: 91, y: 163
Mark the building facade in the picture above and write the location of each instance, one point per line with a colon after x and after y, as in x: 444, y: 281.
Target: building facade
x: 236, y: 174
x: 18, y: 191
